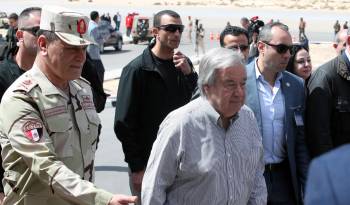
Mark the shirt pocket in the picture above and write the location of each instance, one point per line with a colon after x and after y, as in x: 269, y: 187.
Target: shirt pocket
x: 11, y: 178
x: 60, y: 130
x: 342, y: 114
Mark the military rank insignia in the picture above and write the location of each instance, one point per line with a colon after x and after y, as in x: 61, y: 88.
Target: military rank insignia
x: 88, y: 103
x: 33, y: 130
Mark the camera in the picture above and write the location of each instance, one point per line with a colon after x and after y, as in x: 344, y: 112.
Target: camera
x: 254, y: 27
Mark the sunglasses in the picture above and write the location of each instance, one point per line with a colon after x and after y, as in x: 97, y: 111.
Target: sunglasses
x: 172, y: 28
x: 280, y: 48
x: 33, y: 30
x: 238, y: 47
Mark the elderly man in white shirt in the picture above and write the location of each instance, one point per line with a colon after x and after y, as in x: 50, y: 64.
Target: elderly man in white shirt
x: 210, y: 150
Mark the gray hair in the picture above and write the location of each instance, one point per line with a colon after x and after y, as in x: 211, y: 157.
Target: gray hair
x: 265, y: 32
x: 217, y: 58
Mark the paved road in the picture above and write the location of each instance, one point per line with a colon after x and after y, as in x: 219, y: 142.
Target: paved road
x: 111, y: 170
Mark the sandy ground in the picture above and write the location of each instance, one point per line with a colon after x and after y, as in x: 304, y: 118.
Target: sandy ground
x: 288, y: 4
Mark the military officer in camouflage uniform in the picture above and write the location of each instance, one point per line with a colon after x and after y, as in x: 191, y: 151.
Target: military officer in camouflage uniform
x: 48, y: 123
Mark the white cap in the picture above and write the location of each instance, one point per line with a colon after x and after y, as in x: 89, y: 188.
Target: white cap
x: 70, y: 26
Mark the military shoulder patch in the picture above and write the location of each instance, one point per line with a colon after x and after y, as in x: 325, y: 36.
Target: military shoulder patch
x: 26, y: 84
x: 33, y: 130
x: 81, y: 79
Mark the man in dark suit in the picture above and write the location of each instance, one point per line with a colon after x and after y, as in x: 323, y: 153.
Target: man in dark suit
x: 328, y: 181
x: 277, y: 99
x: 328, y: 104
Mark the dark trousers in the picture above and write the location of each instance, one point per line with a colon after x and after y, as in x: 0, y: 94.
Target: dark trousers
x: 279, y: 184
x: 128, y: 31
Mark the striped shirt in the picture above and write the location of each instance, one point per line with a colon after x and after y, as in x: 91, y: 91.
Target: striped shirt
x: 196, y: 161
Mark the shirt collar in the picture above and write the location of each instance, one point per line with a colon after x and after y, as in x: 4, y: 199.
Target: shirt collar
x: 347, y: 54
x: 213, y: 115
x: 258, y: 73
x: 45, y: 84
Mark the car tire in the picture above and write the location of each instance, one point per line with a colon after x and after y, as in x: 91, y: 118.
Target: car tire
x: 135, y: 41
x: 119, y: 45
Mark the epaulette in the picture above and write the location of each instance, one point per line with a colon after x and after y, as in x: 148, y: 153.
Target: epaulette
x: 26, y: 84
x: 83, y: 80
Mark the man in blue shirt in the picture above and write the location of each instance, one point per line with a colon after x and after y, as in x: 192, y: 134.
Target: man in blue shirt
x: 277, y: 99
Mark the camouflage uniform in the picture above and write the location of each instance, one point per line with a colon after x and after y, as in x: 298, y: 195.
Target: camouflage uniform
x: 49, y: 141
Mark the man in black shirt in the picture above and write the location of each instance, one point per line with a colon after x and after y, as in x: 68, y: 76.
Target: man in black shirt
x: 152, y: 85
x: 14, y: 66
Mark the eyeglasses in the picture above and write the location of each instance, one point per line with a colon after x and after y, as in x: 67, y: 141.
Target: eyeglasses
x: 172, y: 28
x: 33, y: 30
x: 280, y: 48
x: 239, y: 47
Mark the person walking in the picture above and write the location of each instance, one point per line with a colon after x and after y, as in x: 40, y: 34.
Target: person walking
x: 327, y: 105
x: 211, y: 147
x: 336, y: 27
x: 49, y: 138
x: 345, y: 26
x: 277, y: 99
x: 190, y: 28
x: 128, y: 24
x: 200, y: 33
x: 302, y: 25
x: 117, y: 18
x: 152, y: 85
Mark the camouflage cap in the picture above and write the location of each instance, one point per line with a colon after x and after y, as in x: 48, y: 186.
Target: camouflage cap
x: 70, y: 26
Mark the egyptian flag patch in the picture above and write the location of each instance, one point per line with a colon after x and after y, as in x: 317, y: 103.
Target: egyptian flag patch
x: 33, y: 130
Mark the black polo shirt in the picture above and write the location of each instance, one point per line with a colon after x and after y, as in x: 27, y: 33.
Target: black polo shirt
x: 9, y: 72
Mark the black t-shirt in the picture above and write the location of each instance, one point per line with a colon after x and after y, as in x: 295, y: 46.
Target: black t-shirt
x: 9, y: 72
x: 174, y: 78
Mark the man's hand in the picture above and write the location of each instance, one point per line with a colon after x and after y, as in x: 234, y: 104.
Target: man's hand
x: 136, y: 180
x: 122, y: 200
x: 181, y: 63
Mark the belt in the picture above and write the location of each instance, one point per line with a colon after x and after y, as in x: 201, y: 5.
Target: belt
x: 277, y: 166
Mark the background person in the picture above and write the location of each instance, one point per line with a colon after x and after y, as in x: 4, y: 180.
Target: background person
x: 11, y: 32
x: 244, y: 23
x: 327, y: 105
x: 93, y: 68
x: 235, y: 38
x: 12, y: 68
x: 300, y: 62
x: 340, y: 41
x: 200, y: 33
x: 302, y: 25
x: 336, y: 27
x: 345, y: 25
x: 117, y: 18
x: 190, y: 28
